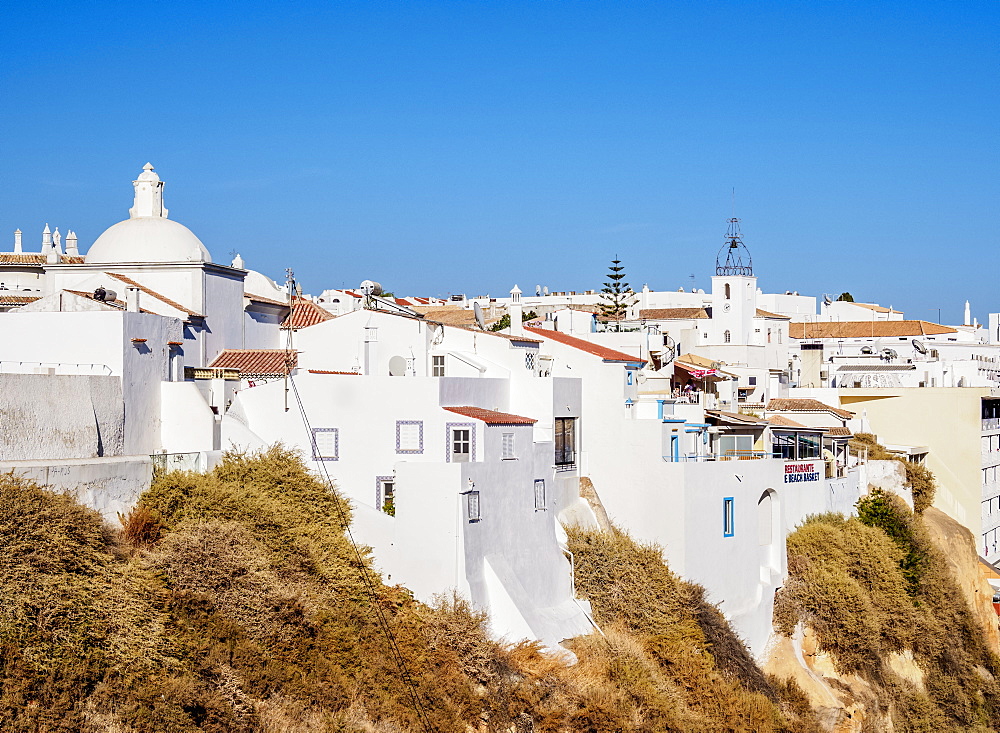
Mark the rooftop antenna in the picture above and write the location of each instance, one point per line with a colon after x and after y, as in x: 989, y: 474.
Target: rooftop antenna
x: 480, y: 321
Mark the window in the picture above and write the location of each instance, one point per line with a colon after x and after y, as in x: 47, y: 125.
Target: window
x: 472, y: 506
x: 437, y: 366
x: 565, y: 439
x: 727, y: 291
x: 409, y: 436
x: 783, y: 446
x: 728, y: 517
x: 461, y: 447
x: 769, y: 335
x: 326, y: 444
x: 726, y: 336
x: 385, y: 494
x: 507, y: 446
x: 529, y: 361
x: 735, y: 445
x: 752, y: 381
x: 539, y: 494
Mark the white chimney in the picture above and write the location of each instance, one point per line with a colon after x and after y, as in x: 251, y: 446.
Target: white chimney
x: 968, y: 315
x: 46, y: 240
x: 132, y: 299
x: 71, y: 244
x: 17, y: 241
x: 516, y: 324
x: 57, y: 241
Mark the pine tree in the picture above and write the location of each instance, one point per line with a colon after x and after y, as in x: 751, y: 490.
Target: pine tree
x: 616, y: 294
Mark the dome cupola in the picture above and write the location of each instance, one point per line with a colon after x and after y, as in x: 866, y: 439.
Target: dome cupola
x: 147, y: 235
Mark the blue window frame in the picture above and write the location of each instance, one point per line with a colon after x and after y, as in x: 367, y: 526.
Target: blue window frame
x: 728, y: 517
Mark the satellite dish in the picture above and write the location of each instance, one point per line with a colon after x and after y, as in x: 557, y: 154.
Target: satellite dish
x: 538, y: 290
x: 480, y: 321
x: 826, y: 299
x: 867, y: 350
x: 919, y: 346
x: 370, y: 287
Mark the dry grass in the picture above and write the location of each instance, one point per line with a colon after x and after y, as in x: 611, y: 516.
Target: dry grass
x: 232, y: 601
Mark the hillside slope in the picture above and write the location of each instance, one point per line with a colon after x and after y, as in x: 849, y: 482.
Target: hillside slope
x: 232, y: 601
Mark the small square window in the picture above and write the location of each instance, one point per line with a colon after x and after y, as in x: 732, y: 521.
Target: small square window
x: 728, y: 517
x: 529, y: 361
x: 437, y: 366
x: 326, y: 444
x: 409, y: 436
x: 539, y: 494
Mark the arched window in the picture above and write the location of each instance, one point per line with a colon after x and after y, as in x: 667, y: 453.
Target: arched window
x: 726, y: 336
x: 727, y: 291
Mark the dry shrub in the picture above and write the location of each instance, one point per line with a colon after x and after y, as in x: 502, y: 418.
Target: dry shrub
x: 875, y: 584
x: 691, y: 670
x: 142, y: 527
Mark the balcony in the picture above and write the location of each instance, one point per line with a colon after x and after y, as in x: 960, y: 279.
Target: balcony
x: 991, y: 423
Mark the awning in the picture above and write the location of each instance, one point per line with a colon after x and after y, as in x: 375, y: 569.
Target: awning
x: 702, y: 372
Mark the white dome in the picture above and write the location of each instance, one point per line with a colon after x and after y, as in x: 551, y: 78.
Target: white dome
x: 147, y: 239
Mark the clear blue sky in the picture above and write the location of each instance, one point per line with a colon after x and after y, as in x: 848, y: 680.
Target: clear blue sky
x: 464, y: 146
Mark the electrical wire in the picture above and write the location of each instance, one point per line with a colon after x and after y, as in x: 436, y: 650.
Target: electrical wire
x: 365, y: 572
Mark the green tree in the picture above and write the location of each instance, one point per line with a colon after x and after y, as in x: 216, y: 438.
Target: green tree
x: 846, y: 297
x: 504, y: 321
x: 617, y: 295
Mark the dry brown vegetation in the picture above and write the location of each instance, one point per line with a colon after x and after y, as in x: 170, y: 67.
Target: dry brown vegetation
x: 874, y: 585
x: 232, y: 601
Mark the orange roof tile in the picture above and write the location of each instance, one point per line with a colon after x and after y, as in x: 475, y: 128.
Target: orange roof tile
x: 256, y: 362
x: 491, y: 417
x: 865, y: 329
x: 666, y: 314
x: 18, y: 299
x: 784, y: 422
x: 325, y: 371
x: 876, y: 308
x: 591, y: 348
x: 118, y: 303
x: 305, y: 313
x: 153, y: 293
x: 262, y: 299
x: 805, y: 405
x: 768, y: 314
x: 10, y: 258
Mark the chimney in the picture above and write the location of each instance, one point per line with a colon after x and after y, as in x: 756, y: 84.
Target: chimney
x: 516, y: 325
x: 46, y: 240
x: 968, y: 315
x: 17, y: 242
x: 132, y: 299
x: 71, y: 248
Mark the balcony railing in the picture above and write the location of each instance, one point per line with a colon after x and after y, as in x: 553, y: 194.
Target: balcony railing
x: 732, y: 455
x: 991, y: 423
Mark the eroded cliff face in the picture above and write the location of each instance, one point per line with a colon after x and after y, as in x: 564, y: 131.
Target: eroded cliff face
x: 959, y: 548
x: 849, y: 703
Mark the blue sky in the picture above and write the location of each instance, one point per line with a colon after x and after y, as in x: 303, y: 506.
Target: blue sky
x: 464, y: 146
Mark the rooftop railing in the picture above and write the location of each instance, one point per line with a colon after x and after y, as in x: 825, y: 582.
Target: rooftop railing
x: 53, y: 367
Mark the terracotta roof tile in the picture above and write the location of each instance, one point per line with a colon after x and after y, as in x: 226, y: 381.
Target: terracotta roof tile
x: 153, y: 293
x: 118, y: 303
x: 591, y: 348
x: 805, y: 405
x: 491, y: 417
x: 839, y: 432
x: 305, y: 313
x: 666, y: 314
x: 256, y: 362
x: 262, y: 299
x: 865, y: 329
x: 876, y: 308
x: 9, y: 258
x: 325, y: 371
x: 784, y: 422
x: 453, y: 316
x: 18, y: 299
x: 768, y: 314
